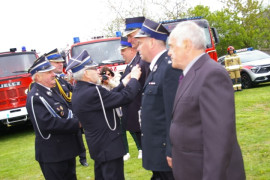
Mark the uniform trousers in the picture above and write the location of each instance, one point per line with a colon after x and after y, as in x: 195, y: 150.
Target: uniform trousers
x: 59, y: 170
x: 110, y: 170
x: 162, y: 175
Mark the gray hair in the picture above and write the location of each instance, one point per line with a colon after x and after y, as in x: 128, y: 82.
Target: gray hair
x: 78, y: 75
x: 191, y: 31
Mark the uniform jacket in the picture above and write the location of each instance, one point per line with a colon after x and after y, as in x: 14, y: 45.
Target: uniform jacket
x: 232, y: 62
x: 103, y: 143
x: 130, y: 117
x: 157, y: 101
x: 203, y: 134
x: 60, y: 139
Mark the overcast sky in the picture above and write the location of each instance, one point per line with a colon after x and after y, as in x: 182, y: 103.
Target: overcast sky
x: 47, y: 24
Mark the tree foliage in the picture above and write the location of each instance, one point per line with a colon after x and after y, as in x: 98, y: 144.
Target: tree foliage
x: 240, y: 23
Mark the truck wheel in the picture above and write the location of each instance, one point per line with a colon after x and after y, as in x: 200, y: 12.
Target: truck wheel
x: 246, y: 81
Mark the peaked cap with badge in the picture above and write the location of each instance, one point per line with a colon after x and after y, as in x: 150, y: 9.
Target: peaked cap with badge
x: 41, y: 65
x: 54, y: 56
x: 124, y: 43
x: 132, y: 24
x: 154, y: 30
x: 80, y: 61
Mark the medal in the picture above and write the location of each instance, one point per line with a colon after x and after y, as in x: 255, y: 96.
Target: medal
x: 49, y: 93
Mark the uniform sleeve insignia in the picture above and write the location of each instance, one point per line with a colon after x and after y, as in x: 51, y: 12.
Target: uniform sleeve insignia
x: 62, y: 113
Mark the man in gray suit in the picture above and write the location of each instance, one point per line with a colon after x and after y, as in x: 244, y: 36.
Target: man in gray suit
x: 203, y: 132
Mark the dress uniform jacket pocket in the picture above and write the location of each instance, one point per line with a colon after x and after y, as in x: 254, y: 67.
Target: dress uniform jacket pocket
x: 61, y: 110
x: 151, y: 90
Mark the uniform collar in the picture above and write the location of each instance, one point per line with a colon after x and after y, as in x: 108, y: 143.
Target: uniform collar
x: 156, y: 59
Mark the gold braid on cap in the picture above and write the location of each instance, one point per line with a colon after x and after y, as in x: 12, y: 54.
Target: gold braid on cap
x: 66, y: 97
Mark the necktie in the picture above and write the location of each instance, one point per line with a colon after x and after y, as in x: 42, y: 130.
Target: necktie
x: 180, y: 78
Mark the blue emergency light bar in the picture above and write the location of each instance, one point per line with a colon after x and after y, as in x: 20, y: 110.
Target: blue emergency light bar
x: 118, y: 33
x: 23, y: 49
x: 245, y: 49
x: 76, y: 40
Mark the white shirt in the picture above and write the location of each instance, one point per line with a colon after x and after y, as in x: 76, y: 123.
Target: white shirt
x: 155, y: 59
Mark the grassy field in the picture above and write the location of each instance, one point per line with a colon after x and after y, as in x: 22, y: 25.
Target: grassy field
x: 253, y: 130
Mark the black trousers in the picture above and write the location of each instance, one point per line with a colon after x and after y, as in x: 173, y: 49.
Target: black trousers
x: 110, y: 170
x: 59, y: 170
x: 162, y: 175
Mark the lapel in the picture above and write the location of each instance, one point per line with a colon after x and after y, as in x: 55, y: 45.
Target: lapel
x: 133, y: 63
x: 188, y: 79
x: 155, y: 69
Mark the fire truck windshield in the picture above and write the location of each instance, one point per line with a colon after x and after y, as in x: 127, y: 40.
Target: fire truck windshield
x: 15, y: 63
x: 103, y: 51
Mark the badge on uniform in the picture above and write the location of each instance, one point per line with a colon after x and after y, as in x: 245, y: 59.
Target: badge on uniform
x: 49, y: 93
x: 152, y: 83
x: 169, y: 62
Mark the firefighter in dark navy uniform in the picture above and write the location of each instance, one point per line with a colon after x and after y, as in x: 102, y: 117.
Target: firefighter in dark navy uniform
x: 158, y: 96
x: 95, y: 107
x: 56, y: 128
x: 130, y: 119
x: 63, y: 87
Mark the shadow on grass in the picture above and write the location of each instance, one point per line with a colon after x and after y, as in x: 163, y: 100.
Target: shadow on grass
x: 7, y: 132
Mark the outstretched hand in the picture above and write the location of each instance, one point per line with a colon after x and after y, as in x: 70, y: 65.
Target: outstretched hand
x: 136, y: 72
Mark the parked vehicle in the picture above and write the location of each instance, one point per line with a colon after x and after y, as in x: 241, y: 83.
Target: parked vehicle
x: 14, y: 82
x: 211, y: 33
x: 255, y: 66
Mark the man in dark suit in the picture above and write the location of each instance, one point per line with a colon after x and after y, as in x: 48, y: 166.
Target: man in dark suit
x: 95, y: 107
x: 158, y: 95
x: 56, y: 128
x: 64, y: 89
x: 203, y: 132
x: 130, y: 118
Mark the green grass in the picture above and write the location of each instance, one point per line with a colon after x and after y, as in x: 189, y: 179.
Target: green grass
x: 17, y: 159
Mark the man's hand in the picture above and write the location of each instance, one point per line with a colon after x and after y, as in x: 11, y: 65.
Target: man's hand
x: 169, y: 160
x: 126, y: 79
x: 136, y: 72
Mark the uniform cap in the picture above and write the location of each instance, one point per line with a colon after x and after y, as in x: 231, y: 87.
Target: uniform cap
x: 40, y: 65
x: 124, y: 43
x: 154, y: 30
x: 77, y: 63
x: 54, y: 56
x: 133, y: 24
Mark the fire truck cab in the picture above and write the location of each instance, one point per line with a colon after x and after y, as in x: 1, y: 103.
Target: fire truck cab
x: 14, y: 82
x: 212, y: 37
x: 104, y: 51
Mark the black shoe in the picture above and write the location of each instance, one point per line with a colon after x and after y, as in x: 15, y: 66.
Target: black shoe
x: 84, y: 163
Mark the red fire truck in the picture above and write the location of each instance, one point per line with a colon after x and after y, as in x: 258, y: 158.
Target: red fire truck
x: 105, y: 51
x: 14, y: 82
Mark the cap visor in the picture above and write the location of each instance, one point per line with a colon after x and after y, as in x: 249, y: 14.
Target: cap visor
x: 141, y: 34
x: 128, y: 32
x: 47, y: 69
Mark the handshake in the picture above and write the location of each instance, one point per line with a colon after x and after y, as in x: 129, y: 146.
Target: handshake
x: 135, y: 73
